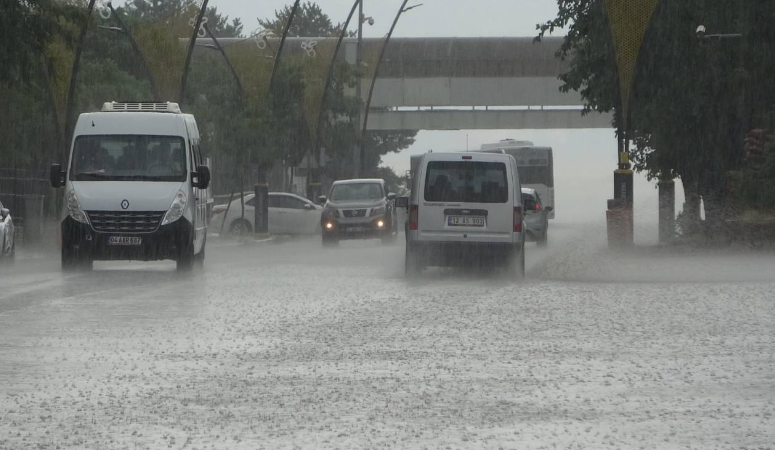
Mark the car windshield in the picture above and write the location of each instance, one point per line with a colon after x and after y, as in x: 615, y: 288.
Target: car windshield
x: 356, y: 191
x: 129, y: 158
x: 466, y: 181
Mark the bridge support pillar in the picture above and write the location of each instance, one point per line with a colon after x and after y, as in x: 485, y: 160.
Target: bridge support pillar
x: 666, y: 211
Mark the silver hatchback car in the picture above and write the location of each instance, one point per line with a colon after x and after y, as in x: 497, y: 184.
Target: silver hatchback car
x: 536, y: 217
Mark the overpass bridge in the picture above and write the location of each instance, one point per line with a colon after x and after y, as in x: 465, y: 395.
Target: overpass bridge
x: 464, y: 83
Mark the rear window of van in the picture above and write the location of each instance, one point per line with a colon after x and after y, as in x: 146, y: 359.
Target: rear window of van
x: 466, y: 181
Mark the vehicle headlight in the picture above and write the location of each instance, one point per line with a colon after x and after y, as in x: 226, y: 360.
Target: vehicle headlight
x: 330, y: 212
x: 74, y: 208
x: 377, y: 211
x: 176, y: 210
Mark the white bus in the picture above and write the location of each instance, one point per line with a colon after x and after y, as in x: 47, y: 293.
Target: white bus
x: 535, y: 165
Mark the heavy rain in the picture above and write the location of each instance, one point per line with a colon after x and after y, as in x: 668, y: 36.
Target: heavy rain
x: 529, y: 224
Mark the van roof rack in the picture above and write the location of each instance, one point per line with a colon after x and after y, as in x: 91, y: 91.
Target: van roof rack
x: 165, y: 107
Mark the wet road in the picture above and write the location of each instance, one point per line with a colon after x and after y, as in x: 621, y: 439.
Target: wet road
x: 289, y: 345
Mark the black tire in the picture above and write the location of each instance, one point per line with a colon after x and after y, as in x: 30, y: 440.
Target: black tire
x: 185, y: 261
x: 519, y: 262
x: 330, y: 240
x: 199, y: 259
x: 543, y: 241
x: 68, y: 258
x: 75, y: 259
x: 389, y: 239
x: 413, y: 266
x: 240, y: 227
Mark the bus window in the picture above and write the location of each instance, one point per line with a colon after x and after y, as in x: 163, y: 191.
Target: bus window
x: 536, y: 175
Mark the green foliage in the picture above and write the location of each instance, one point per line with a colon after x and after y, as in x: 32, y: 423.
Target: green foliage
x: 692, y: 100
x: 310, y: 21
x: 26, y: 28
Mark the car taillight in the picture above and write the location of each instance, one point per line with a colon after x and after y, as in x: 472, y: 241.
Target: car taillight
x: 538, y: 207
x: 517, y: 219
x: 414, y: 215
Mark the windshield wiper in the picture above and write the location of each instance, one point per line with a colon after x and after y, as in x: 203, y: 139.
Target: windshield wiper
x: 97, y: 176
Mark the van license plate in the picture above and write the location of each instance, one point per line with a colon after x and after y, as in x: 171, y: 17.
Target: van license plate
x: 124, y: 240
x: 465, y: 221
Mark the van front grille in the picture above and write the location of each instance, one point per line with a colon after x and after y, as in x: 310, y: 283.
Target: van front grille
x: 125, y: 221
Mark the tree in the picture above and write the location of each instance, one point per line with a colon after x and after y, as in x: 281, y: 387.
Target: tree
x: 309, y: 21
x: 26, y: 27
x: 686, y: 117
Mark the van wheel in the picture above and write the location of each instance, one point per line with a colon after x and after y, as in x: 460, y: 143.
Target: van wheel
x: 240, y: 227
x: 185, y: 260
x: 413, y: 267
x: 199, y: 259
x: 544, y: 239
x: 74, y: 259
x: 519, y: 263
x: 388, y: 239
x: 68, y: 258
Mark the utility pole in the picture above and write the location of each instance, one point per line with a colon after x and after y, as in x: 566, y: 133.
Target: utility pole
x: 358, y: 67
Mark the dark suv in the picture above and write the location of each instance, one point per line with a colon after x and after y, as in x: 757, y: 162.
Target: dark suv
x: 359, y: 209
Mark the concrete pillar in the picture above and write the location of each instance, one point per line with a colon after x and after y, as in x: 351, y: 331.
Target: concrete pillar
x: 261, y: 207
x: 619, y: 216
x: 666, y: 211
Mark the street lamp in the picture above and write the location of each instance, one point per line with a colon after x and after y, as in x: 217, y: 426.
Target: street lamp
x: 122, y: 28
x: 702, y: 34
x: 217, y: 46
x: 409, y: 8
x: 367, y: 106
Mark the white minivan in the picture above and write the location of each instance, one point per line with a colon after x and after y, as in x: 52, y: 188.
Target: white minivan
x: 465, y: 208
x: 135, y: 187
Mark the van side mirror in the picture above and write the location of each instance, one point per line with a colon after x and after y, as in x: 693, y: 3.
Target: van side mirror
x: 202, y: 177
x: 391, y: 196
x: 322, y: 199
x: 56, y: 176
x: 549, y: 208
x: 402, y: 202
x: 4, y: 213
x: 309, y: 207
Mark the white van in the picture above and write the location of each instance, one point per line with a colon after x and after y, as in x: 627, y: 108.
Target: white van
x: 135, y: 187
x: 465, y: 208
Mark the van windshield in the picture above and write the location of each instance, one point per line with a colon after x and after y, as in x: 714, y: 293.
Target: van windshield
x: 466, y: 181
x: 129, y: 158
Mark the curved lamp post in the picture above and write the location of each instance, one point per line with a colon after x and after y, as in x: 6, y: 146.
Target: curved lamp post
x: 74, y: 77
x: 367, y: 106
x: 329, y: 76
x: 217, y: 46
x: 278, y: 55
x: 191, y: 44
x: 124, y: 29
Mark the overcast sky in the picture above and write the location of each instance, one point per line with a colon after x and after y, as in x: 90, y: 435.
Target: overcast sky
x: 434, y: 18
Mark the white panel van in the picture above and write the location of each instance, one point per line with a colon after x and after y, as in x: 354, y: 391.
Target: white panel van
x: 465, y: 208
x: 135, y: 187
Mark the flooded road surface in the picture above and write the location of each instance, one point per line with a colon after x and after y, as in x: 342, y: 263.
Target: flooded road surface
x: 285, y: 344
